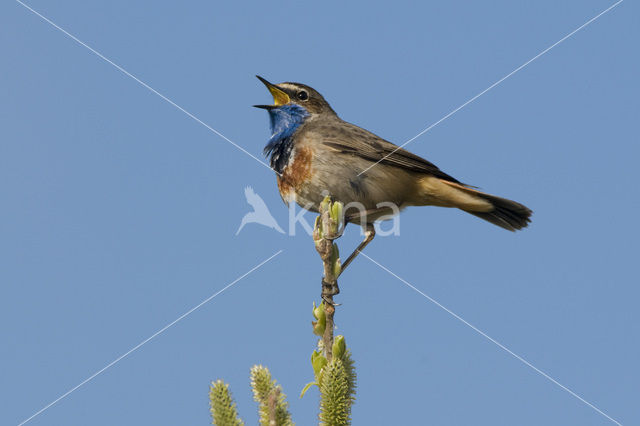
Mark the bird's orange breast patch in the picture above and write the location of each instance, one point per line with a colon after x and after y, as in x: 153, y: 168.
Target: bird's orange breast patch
x: 296, y: 174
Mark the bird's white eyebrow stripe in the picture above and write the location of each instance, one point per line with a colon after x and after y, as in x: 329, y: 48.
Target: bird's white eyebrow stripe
x: 287, y: 86
x: 142, y: 83
x: 425, y: 130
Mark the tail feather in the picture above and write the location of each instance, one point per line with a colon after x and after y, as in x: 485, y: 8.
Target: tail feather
x: 506, y: 213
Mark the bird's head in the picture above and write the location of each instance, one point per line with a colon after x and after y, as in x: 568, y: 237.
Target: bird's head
x: 293, y: 95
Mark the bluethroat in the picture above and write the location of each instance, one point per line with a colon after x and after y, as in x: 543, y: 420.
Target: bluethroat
x: 315, y: 153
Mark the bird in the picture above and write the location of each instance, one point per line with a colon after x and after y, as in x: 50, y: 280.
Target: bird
x: 315, y: 153
x: 260, y: 213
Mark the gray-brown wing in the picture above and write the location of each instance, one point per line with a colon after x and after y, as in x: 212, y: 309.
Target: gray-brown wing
x: 353, y: 140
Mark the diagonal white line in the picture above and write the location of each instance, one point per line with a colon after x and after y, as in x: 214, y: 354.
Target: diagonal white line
x: 493, y: 85
x: 142, y: 83
x: 491, y: 339
x: 136, y: 347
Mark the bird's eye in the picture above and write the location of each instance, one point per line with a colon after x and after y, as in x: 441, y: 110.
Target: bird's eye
x: 302, y: 95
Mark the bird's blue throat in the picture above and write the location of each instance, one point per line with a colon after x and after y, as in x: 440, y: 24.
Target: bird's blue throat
x: 285, y: 120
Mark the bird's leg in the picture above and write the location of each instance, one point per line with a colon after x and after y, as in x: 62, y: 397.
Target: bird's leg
x: 369, y: 233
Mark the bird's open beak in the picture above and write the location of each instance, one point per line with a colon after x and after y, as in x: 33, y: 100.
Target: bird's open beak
x: 279, y: 96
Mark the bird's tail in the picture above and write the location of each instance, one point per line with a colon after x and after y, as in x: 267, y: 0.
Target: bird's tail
x: 506, y: 213
x: 502, y: 212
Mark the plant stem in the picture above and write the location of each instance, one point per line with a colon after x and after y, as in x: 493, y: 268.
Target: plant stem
x: 327, y: 229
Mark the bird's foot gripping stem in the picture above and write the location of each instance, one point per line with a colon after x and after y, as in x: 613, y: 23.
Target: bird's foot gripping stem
x: 328, y: 291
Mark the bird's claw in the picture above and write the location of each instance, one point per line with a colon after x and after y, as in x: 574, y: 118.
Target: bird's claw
x: 329, y: 289
x: 336, y: 236
x: 329, y: 301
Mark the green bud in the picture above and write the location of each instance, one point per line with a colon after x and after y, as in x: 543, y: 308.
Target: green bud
x: 335, y: 260
x: 325, y: 204
x: 335, y: 253
x: 339, y: 347
x: 336, y: 213
x: 337, y: 268
x: 318, y: 313
x: 318, y: 361
x: 319, y: 326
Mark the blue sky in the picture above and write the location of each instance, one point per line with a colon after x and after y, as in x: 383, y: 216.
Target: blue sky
x: 119, y: 212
